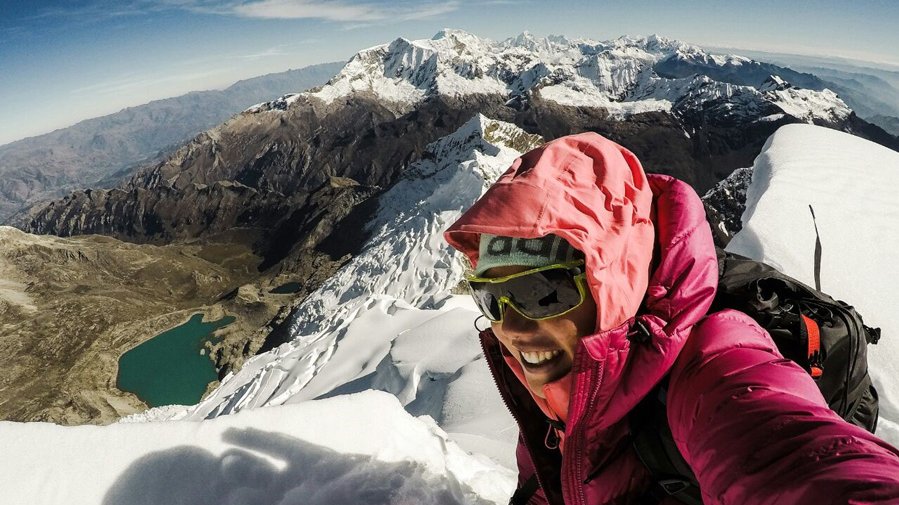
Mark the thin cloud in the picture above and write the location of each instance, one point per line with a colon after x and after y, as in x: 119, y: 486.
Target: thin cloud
x: 300, y: 9
x: 102, y: 11
x: 345, y: 11
x: 357, y: 13
x: 142, y: 82
x: 268, y: 53
x: 433, y: 10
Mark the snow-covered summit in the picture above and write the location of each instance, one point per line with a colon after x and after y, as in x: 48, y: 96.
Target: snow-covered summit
x: 417, y: 345
x: 618, y: 75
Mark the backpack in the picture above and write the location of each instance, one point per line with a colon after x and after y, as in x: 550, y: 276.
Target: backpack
x: 827, y: 337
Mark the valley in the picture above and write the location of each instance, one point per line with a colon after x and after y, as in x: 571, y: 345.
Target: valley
x: 70, y: 307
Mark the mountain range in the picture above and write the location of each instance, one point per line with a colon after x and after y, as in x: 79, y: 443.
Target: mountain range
x: 684, y: 112
x: 873, y: 93
x: 307, y: 183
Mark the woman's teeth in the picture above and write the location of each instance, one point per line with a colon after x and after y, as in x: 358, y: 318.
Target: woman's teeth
x: 536, y: 358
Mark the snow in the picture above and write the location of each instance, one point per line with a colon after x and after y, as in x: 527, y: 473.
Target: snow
x: 851, y: 184
x: 279, y: 105
x: 382, y: 396
x: 771, y: 118
x: 615, y: 75
x: 732, y: 60
x: 810, y: 105
x: 361, y: 448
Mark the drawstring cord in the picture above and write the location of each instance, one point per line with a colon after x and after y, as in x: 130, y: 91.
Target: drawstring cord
x: 551, y: 440
x: 480, y: 330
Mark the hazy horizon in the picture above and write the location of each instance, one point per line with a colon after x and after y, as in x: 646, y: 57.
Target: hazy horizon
x: 66, y: 64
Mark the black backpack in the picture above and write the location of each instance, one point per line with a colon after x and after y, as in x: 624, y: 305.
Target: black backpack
x: 827, y: 337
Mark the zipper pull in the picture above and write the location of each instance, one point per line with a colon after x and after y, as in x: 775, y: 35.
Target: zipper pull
x: 552, y: 439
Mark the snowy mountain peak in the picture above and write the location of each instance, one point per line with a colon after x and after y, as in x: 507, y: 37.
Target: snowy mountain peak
x: 655, y: 44
x: 480, y: 136
x: 623, y: 76
x: 460, y: 37
x: 530, y: 42
x: 774, y: 83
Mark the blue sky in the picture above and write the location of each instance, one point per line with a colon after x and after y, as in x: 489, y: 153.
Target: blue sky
x: 64, y: 61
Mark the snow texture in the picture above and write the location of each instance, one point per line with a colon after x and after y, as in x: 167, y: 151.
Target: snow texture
x: 361, y: 448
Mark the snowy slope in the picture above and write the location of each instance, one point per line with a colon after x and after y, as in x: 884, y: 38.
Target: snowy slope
x: 353, y: 449
x: 617, y: 75
x: 851, y: 183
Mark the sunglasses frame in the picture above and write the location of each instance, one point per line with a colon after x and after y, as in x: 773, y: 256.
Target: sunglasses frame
x: 579, y: 275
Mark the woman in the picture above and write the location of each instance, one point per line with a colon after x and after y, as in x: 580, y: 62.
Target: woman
x: 609, y: 274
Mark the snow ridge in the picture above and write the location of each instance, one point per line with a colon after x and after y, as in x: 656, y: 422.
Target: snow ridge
x: 398, y: 297
x: 850, y: 183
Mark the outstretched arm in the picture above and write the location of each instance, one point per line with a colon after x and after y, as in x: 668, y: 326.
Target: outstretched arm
x: 755, y: 429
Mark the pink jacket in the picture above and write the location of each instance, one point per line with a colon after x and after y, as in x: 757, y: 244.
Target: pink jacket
x: 752, y: 425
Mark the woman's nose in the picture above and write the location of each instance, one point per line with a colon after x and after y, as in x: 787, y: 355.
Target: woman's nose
x: 514, y: 324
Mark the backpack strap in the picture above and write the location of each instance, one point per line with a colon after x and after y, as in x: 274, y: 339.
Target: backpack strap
x: 525, y: 492
x: 670, y: 474
x: 817, y: 250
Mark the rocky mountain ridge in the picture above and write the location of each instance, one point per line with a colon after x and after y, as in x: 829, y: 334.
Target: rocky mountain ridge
x: 104, y: 151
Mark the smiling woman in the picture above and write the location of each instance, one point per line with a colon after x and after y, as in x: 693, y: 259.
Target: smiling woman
x: 573, y: 365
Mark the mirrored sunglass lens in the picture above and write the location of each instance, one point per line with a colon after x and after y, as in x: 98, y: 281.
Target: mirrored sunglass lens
x: 487, y: 301
x: 544, y: 294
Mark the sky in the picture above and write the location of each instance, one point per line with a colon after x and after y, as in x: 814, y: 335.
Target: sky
x: 65, y: 61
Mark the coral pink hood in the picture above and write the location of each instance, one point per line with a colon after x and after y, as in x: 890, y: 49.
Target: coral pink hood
x: 589, y: 191
x: 593, y: 193
x: 648, y: 249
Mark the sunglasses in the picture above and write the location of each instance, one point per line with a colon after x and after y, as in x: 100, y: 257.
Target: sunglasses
x: 537, y: 294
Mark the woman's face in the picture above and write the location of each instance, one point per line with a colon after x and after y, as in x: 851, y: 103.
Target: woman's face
x: 544, y: 348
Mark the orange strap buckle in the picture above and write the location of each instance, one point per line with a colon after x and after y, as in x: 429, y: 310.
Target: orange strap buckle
x: 814, y: 346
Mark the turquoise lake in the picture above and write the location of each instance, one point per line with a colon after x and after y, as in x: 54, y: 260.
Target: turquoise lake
x: 169, y: 369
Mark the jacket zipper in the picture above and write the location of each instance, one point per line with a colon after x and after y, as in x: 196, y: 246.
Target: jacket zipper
x: 505, y: 397
x: 574, y: 479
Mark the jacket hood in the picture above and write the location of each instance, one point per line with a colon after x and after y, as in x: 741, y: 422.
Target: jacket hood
x: 588, y: 190
x: 681, y: 289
